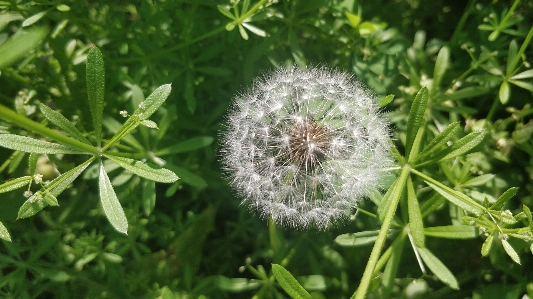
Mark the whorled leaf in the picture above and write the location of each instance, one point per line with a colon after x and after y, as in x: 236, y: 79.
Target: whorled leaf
x: 144, y: 170
x: 112, y: 208
x: 4, y: 234
x: 289, y: 283
x: 438, y: 268
x: 64, y: 124
x: 14, y: 184
x: 31, y: 145
x: 95, y: 77
x: 416, y: 118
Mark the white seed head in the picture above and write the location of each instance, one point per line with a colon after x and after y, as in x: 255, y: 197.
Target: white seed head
x: 302, y: 146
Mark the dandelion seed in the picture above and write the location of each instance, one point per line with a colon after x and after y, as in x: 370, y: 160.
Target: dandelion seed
x: 303, y: 146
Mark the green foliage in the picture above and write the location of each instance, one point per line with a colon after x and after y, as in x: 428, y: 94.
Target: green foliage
x: 453, y: 219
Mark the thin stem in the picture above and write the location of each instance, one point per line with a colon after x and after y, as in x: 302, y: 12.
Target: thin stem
x: 521, y: 51
x: 382, y: 236
x: 36, y: 127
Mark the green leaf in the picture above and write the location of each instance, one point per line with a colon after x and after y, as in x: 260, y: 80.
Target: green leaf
x: 149, y: 124
x: 508, y: 194
x: 187, y: 177
x: 33, y: 19
x: 4, y: 234
x: 485, y: 248
x: 144, y: 170
x: 416, y: 118
x: 479, y: 180
x: 148, y: 196
x: 289, y: 283
x: 466, y: 93
x: 440, y: 140
x: 15, y: 184
x: 511, y: 54
x: 438, y: 268
x: 465, y: 144
x: 510, y: 251
x: 225, y: 12
x: 243, y: 33
x: 20, y: 44
x: 522, y: 84
x: 186, y: 146
x: 353, y: 19
x: 54, y: 188
x: 359, y: 238
x: 385, y: 101
x: 115, y: 127
x: 523, y: 75
x: 112, y: 208
x: 30, y: 145
x: 504, y: 93
x: 64, y: 124
x: 154, y: 101
x: 95, y: 77
x: 458, y: 199
x: 452, y: 232
x: 32, y: 162
x: 441, y: 64
x: 255, y: 30
x: 415, y: 217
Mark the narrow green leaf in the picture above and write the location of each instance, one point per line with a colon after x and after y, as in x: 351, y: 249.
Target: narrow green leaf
x: 30, y: 145
x: 64, y: 124
x: 438, y: 268
x: 14, y: 184
x: 353, y: 19
x: 433, y: 203
x: 54, y: 188
x: 523, y: 75
x: 485, y: 248
x: 452, y: 232
x: 33, y: 19
x: 186, y: 145
x: 95, y: 77
x: 122, y: 130
x: 441, y: 65
x: 144, y: 170
x: 415, y: 217
x: 289, y: 283
x: 154, y: 101
x: 510, y: 251
x: 465, y: 144
x: 416, y: 118
x: 508, y: 194
x: 112, y: 208
x: 504, y: 93
x: 20, y: 44
x: 522, y: 84
x: 254, y: 30
x: 186, y: 176
x: 149, y: 124
x: 4, y: 234
x: 359, y: 239
x: 436, y: 143
x: 225, y: 12
x: 385, y: 101
x: 479, y: 180
x: 458, y: 199
x: 243, y: 33
x: 32, y: 162
x: 148, y: 197
x: 511, y: 54
x: 466, y: 93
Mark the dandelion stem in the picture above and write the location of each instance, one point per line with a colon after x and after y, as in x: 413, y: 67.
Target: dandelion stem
x: 382, y: 236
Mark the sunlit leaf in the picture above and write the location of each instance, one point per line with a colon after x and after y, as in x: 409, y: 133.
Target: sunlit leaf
x: 452, y: 232
x: 4, y: 234
x: 144, y: 170
x: 508, y: 194
x: 458, y: 199
x: 465, y: 144
x: 438, y: 268
x: 31, y: 145
x: 415, y: 217
x: 510, y: 251
x: 95, y: 77
x: 64, y: 124
x: 112, y: 208
x: 416, y: 118
x: 14, y: 184
x: 18, y: 45
x: 33, y: 19
x: 289, y: 283
x: 359, y: 238
x: 504, y: 93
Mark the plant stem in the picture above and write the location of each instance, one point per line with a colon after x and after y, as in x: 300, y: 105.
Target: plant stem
x: 36, y: 127
x: 382, y: 236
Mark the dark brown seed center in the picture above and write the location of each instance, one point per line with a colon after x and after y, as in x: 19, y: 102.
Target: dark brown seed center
x: 308, y: 144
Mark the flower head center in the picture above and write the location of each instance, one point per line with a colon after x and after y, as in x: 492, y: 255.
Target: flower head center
x: 308, y: 144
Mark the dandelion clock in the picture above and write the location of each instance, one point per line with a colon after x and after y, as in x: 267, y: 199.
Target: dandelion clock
x: 303, y: 146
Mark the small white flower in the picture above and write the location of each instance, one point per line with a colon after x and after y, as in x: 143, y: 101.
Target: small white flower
x: 142, y: 105
x: 38, y: 178
x: 28, y: 193
x: 304, y: 145
x: 124, y: 113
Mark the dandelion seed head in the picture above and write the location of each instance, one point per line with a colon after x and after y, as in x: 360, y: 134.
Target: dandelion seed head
x: 303, y: 146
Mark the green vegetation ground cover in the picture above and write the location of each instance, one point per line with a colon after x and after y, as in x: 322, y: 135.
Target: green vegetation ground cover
x: 106, y: 104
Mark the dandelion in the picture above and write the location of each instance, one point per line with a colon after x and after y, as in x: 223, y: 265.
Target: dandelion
x: 303, y: 146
